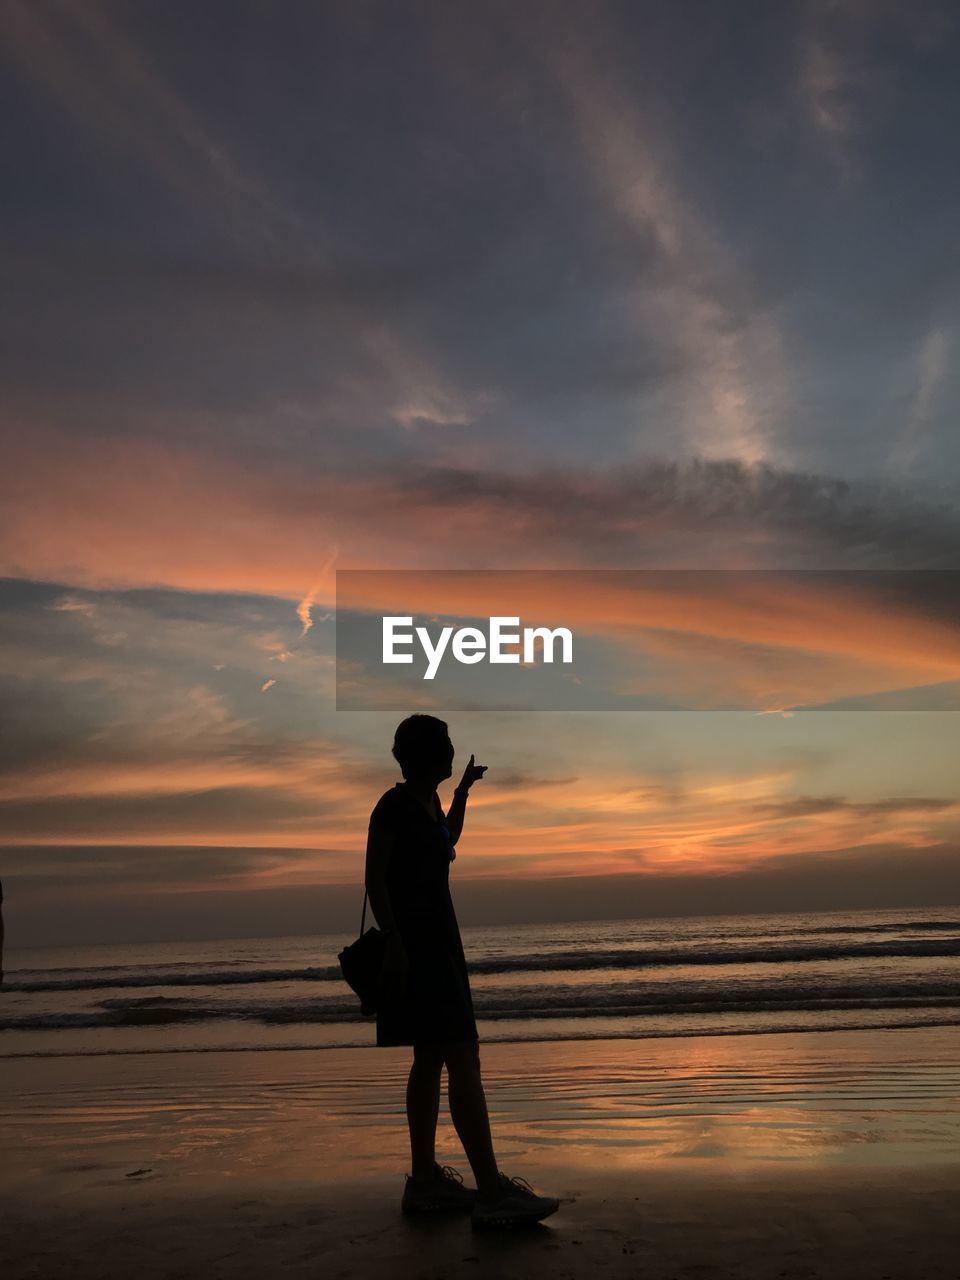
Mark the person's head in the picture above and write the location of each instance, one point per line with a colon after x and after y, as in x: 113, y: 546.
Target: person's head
x: 423, y: 750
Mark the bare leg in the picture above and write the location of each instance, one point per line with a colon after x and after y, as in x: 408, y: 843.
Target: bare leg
x: 423, y: 1107
x: 468, y: 1110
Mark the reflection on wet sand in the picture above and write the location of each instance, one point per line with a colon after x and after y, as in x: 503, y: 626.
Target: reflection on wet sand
x: 847, y: 1099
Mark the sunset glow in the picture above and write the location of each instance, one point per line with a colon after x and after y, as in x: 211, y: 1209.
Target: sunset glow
x: 525, y: 320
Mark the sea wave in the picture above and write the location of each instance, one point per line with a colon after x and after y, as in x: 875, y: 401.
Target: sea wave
x: 533, y: 1003
x: 506, y: 1033
x: 580, y: 960
x: 118, y: 981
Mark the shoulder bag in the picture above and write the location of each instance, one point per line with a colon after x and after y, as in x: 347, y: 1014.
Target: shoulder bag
x: 361, y: 964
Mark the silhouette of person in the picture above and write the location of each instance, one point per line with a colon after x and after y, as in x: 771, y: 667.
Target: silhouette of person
x: 1, y: 933
x: 425, y: 988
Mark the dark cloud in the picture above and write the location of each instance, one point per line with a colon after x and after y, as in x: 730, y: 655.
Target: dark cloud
x: 45, y: 725
x: 217, y: 809
x: 428, y: 178
x: 796, y: 519
x: 876, y: 877
x: 810, y: 806
x: 872, y: 877
x: 111, y: 867
x: 522, y: 780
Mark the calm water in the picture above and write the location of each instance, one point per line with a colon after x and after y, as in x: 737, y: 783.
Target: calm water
x: 596, y: 980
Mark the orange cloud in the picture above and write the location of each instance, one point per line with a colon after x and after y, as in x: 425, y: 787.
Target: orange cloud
x: 319, y: 798
x: 728, y: 638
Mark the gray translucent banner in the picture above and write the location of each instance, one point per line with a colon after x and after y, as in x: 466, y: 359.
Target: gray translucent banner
x: 764, y: 641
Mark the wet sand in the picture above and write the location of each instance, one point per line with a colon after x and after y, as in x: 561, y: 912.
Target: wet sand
x: 830, y: 1155
x: 878, y: 1226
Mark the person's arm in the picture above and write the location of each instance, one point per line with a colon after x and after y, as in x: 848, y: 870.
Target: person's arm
x: 456, y: 813
x: 458, y: 805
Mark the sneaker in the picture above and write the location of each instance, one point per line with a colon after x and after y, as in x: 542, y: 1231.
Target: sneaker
x: 517, y: 1204
x: 444, y: 1193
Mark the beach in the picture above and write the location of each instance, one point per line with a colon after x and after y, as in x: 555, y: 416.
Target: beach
x: 822, y: 1154
x: 876, y: 1227
x: 480, y: 540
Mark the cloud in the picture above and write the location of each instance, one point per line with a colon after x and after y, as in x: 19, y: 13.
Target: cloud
x: 149, y: 739
x: 806, y: 806
x: 829, y: 86
x: 849, y: 67
x: 554, y: 306
x: 70, y: 604
x: 110, y: 867
x: 687, y: 639
x: 877, y: 877
x: 129, y: 773
x: 881, y: 877
x: 271, y: 261
x: 204, y: 522
x: 933, y: 368
x: 106, y: 86
x: 142, y: 751
x: 117, y: 512
x: 308, y: 601
x: 520, y: 779
x: 736, y: 369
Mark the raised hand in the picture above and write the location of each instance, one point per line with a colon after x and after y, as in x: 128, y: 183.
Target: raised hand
x: 471, y: 774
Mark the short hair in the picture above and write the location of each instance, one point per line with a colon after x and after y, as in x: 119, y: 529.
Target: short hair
x: 418, y: 742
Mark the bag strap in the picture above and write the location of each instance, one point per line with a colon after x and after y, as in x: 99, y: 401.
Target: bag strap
x: 363, y: 913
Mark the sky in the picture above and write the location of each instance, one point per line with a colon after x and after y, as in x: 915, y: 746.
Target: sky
x: 295, y: 289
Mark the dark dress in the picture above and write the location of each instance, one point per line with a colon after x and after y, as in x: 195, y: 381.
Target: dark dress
x: 437, y: 1005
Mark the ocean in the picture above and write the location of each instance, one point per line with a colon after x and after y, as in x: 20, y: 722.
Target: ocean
x: 597, y: 980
